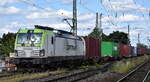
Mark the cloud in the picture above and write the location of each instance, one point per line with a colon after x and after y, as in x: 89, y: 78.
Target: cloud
x: 10, y: 10
x: 134, y: 32
x: 62, y: 12
x: 12, y: 27
x: 122, y: 18
x: 49, y: 14
x: 121, y: 5
x: 86, y: 17
x: 67, y: 1
x: 129, y: 18
x: 4, y: 2
x: 40, y: 15
x: 31, y: 9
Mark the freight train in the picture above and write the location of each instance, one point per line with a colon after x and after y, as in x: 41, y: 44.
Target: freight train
x: 43, y: 46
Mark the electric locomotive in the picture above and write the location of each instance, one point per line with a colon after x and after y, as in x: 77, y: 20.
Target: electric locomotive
x: 44, y: 45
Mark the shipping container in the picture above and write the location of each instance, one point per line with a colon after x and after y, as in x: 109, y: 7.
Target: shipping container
x: 141, y: 51
x: 138, y: 51
x: 92, y: 47
x: 125, y: 50
x: 109, y: 49
x: 148, y: 51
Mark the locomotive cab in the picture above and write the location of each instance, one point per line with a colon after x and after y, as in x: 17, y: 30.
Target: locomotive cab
x: 28, y: 43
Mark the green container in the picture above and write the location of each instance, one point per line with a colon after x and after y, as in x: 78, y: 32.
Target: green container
x: 109, y: 49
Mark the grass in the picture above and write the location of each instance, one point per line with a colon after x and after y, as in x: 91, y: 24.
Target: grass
x: 96, y: 65
x: 20, y: 77
x: 126, y: 65
x: 148, y: 79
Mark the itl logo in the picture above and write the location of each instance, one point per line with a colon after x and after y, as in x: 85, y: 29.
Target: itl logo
x: 115, y: 48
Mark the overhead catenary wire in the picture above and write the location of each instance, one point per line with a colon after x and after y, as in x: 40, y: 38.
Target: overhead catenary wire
x: 47, y: 10
x: 90, y: 10
x: 107, y: 13
x: 116, y: 13
x: 35, y: 5
x: 44, y: 9
x: 85, y: 7
x: 137, y: 7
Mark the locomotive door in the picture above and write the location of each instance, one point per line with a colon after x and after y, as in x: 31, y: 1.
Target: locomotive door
x: 50, y: 46
x: 59, y: 48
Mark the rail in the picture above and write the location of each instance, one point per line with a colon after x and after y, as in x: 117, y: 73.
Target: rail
x: 71, y: 76
x: 148, y: 73
x: 132, y: 72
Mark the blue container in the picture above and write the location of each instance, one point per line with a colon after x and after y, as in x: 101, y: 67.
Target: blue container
x: 148, y: 51
x: 139, y: 51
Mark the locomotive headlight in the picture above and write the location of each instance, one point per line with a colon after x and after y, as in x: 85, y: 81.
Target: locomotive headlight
x: 42, y: 53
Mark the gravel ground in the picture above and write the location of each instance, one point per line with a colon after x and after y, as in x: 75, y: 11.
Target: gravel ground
x: 105, y: 77
x: 108, y: 76
x: 139, y: 75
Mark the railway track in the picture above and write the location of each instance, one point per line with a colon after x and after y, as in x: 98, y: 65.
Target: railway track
x: 5, y: 75
x: 139, y: 74
x: 146, y: 77
x: 72, y: 76
x: 19, y: 72
x: 9, y: 75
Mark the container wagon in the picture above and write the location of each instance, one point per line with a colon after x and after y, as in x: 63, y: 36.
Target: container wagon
x: 109, y: 49
x: 92, y: 48
x: 144, y: 51
x: 148, y: 51
x: 125, y: 50
x: 141, y: 51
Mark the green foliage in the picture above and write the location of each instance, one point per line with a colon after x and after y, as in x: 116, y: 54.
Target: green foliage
x: 19, y: 77
x: 105, y: 37
x: 127, y: 65
x: 119, y: 37
x: 139, y: 45
x: 96, y: 65
x: 7, y: 44
x: 96, y: 34
x: 148, y: 79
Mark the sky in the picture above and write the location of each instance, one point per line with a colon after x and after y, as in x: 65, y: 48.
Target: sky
x: 116, y: 15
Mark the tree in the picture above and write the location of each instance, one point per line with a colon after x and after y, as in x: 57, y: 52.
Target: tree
x: 105, y: 37
x: 139, y: 45
x: 119, y: 37
x: 96, y: 34
x: 7, y: 43
x: 116, y: 36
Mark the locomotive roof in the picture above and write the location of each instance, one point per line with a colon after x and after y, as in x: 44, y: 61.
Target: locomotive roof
x: 52, y: 29
x: 26, y: 30
x: 40, y: 29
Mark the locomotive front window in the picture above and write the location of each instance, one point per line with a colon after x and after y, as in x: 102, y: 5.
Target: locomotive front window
x: 24, y: 38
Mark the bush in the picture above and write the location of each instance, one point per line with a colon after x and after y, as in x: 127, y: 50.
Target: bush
x: 126, y: 65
